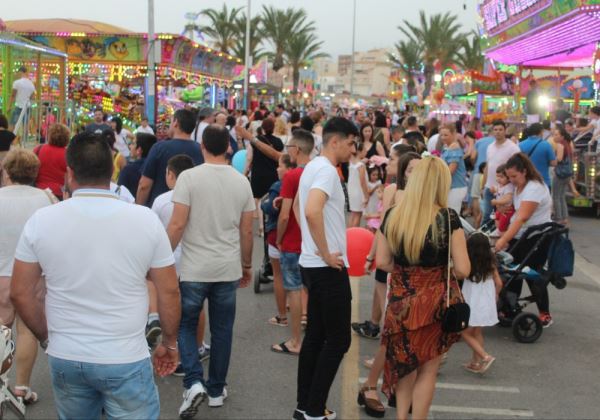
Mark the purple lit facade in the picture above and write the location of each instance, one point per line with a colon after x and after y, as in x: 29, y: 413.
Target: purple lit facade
x: 568, y: 41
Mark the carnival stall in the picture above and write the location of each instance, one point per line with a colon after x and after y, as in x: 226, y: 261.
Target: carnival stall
x: 107, y: 67
x: 46, y: 68
x: 551, y: 35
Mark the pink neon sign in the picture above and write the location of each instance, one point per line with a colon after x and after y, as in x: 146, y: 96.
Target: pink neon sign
x: 499, y: 15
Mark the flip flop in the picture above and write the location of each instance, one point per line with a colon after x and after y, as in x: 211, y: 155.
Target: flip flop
x: 279, y: 321
x: 283, y: 349
x: 29, y: 397
x: 486, y: 363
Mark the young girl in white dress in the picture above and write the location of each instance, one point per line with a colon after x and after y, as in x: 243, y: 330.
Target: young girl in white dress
x: 358, y: 190
x: 480, y: 291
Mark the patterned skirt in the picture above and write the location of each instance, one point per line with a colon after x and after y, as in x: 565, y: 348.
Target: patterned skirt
x: 412, y: 330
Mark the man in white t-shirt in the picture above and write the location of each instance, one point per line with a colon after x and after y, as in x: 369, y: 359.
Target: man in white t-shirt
x: 320, y: 204
x: 498, y: 154
x: 206, y: 116
x: 22, y: 91
x: 95, y: 252
x: 212, y: 218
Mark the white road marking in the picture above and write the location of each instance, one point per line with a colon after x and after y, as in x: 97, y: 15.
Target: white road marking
x: 503, y: 412
x: 468, y: 387
x: 590, y: 270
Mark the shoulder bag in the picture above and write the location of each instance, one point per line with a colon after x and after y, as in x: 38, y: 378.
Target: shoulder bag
x: 456, y: 316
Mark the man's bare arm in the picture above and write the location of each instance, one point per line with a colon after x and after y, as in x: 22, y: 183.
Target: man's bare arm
x: 179, y: 220
x: 25, y: 281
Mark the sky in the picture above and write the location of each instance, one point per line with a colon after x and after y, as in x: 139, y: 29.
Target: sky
x: 377, y: 21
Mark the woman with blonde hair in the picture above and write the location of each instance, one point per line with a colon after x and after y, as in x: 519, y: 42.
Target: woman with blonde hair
x: 18, y: 201
x: 281, y: 130
x: 413, y: 245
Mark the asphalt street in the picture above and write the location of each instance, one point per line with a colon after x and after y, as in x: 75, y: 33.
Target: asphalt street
x: 554, y: 378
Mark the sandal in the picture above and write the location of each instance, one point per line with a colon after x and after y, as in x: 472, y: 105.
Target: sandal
x: 486, y: 363
x: 373, y: 407
x: 25, y: 392
x: 473, y: 367
x: 283, y: 349
x: 279, y: 321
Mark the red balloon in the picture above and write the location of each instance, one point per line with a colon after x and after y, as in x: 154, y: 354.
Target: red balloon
x: 359, y: 241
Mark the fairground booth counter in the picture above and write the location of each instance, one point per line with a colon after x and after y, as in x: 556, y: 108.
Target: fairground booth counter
x: 107, y: 68
x: 550, y: 36
x: 46, y: 68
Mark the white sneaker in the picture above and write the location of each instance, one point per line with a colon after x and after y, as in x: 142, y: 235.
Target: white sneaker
x: 217, y: 401
x: 192, y: 398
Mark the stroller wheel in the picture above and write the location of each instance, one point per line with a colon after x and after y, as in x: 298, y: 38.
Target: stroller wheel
x: 527, y: 327
x: 257, y: 276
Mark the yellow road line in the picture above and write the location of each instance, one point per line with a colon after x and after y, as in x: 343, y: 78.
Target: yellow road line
x: 350, y: 365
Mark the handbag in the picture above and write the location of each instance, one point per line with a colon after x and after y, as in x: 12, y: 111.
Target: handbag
x: 456, y: 316
x: 564, y: 169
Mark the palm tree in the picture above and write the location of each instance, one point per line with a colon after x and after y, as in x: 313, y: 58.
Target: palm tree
x: 239, y: 47
x: 222, y: 27
x: 470, y: 57
x: 300, y: 50
x: 408, y: 58
x: 279, y: 26
x: 439, y: 38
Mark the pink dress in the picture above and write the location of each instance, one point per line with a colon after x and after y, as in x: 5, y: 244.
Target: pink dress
x: 375, y: 223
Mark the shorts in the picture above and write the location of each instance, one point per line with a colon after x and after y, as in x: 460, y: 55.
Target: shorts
x: 290, y: 270
x: 273, y: 252
x: 7, y: 311
x: 381, y: 276
x: 476, y: 189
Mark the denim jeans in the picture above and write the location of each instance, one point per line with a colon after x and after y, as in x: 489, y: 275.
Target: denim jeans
x: 221, y: 315
x: 327, y: 336
x: 124, y: 391
x: 486, y: 205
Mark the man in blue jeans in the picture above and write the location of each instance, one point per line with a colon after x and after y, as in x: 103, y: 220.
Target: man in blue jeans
x: 95, y: 251
x: 212, y: 218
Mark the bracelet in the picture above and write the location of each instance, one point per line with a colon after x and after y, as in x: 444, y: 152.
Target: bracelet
x: 170, y: 347
x: 370, y: 259
x: 246, y: 266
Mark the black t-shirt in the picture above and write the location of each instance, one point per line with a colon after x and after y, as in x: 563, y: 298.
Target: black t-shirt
x: 155, y: 166
x: 130, y: 175
x: 262, y: 165
x: 433, y: 254
x: 6, y: 139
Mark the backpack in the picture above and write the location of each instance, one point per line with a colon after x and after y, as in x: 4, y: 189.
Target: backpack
x: 561, y: 256
x: 564, y: 169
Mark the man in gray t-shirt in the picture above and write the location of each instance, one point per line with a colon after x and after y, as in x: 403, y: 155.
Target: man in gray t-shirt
x: 98, y: 125
x: 212, y: 218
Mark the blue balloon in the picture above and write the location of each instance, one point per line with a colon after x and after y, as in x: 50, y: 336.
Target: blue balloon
x: 239, y: 161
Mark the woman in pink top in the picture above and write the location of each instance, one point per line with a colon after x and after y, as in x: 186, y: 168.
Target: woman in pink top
x: 53, y: 164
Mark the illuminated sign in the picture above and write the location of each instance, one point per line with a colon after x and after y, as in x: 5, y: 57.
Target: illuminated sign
x: 499, y: 15
x: 596, y: 64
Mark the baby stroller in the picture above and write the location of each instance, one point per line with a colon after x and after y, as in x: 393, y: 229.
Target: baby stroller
x: 264, y: 274
x: 546, y: 247
x: 7, y: 398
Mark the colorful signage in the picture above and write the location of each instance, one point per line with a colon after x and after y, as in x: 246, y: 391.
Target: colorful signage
x: 499, y: 15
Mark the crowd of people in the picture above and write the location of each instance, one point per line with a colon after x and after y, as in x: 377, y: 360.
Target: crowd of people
x: 189, y: 239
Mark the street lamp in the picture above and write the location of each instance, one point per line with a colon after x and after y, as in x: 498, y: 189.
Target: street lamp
x: 151, y: 74
x: 247, y: 55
